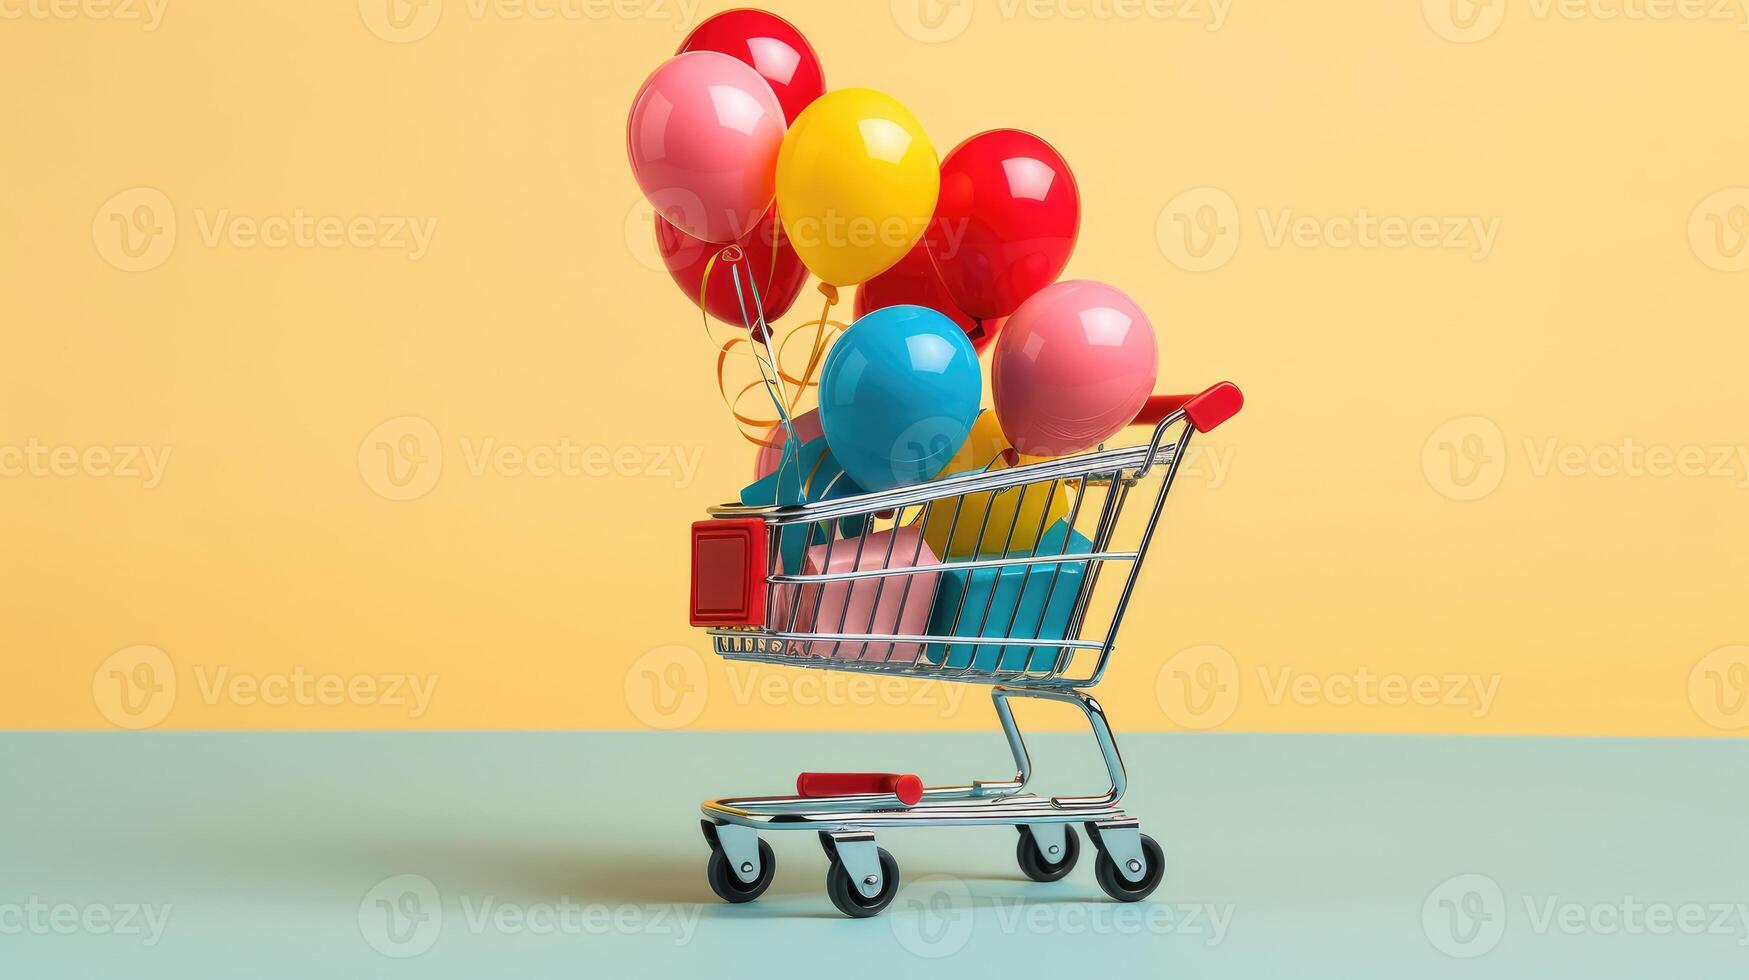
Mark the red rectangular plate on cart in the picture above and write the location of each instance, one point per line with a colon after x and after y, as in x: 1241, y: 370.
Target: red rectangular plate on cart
x: 728, y: 573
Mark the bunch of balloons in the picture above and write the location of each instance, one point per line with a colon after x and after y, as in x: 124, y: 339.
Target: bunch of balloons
x: 760, y: 176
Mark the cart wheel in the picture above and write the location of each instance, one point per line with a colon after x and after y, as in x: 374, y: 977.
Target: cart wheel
x: 1040, y: 867
x: 1113, y: 883
x: 842, y: 891
x: 732, y: 889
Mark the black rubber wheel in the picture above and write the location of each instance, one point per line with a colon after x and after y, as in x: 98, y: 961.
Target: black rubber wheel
x: 732, y: 889
x: 842, y: 891
x: 1117, y: 886
x: 1036, y: 865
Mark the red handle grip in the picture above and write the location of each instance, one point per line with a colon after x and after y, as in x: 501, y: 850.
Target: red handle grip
x: 1213, y: 406
x: 908, y: 788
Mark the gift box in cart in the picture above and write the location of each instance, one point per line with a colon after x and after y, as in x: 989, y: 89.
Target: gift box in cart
x: 1037, y: 621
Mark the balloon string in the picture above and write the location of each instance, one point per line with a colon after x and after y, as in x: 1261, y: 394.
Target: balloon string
x: 757, y: 428
x: 820, y: 326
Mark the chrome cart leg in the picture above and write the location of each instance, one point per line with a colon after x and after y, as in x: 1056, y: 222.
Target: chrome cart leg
x: 1101, y: 734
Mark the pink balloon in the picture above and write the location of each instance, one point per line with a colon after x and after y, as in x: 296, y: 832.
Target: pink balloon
x: 702, y: 138
x: 1071, y: 367
x: 807, y: 429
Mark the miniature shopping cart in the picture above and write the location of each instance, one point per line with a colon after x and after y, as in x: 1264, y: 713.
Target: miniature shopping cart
x: 1002, y: 577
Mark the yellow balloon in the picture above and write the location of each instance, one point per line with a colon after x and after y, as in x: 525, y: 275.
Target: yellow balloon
x: 856, y: 184
x: 1004, y: 532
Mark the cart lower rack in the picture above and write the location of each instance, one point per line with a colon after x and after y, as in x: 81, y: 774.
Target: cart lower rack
x: 995, y: 577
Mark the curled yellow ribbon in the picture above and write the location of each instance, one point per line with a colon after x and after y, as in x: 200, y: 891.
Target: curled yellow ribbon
x: 767, y: 346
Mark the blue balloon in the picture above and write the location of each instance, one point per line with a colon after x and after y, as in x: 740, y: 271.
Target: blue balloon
x: 898, y: 396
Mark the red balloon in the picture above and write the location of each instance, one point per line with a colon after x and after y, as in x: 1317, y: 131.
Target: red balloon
x: 766, y: 256
x: 772, y: 46
x: 1005, y: 222
x: 913, y: 281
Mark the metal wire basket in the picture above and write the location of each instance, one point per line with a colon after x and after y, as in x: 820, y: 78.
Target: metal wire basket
x: 898, y: 582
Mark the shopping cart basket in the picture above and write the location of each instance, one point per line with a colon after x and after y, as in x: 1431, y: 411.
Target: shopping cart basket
x: 1010, y: 609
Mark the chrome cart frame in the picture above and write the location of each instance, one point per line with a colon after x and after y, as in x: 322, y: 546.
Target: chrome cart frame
x: 802, y: 617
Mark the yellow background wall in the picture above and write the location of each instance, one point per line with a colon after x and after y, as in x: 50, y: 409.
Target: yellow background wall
x: 1571, y: 358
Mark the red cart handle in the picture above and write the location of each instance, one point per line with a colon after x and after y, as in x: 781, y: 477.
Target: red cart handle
x: 1213, y: 406
x: 908, y: 788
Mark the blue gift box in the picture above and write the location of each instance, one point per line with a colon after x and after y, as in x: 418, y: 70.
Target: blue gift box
x: 1025, y: 601
x: 807, y: 476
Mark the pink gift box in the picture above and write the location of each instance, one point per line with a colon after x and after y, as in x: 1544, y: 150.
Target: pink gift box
x: 899, y: 607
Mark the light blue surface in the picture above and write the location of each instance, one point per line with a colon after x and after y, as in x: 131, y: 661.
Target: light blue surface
x: 1289, y: 856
